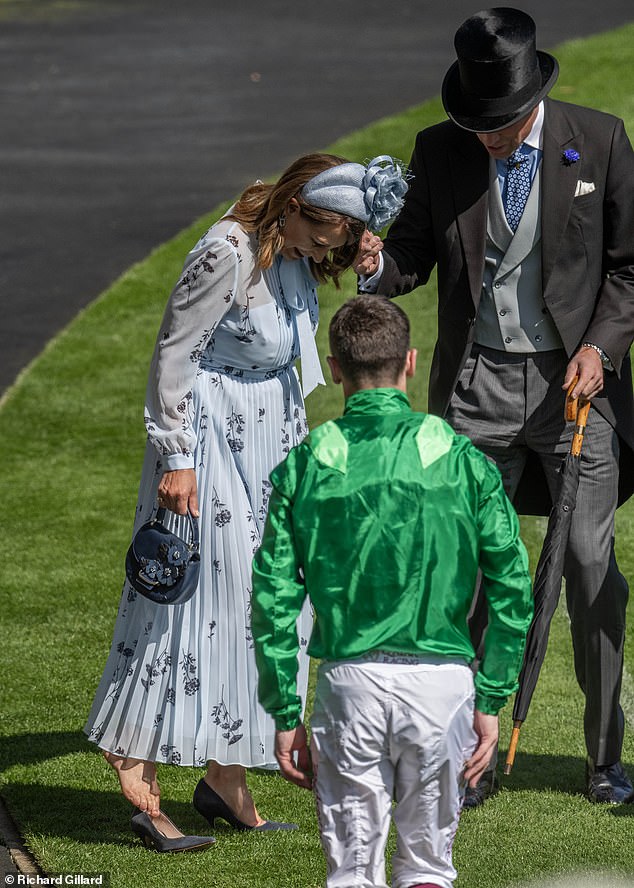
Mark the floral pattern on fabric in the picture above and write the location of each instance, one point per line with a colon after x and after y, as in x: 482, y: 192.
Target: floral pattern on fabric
x: 179, y: 684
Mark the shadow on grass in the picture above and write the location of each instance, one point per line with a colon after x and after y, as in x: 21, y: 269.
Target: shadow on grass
x: 89, y: 816
x: 28, y: 749
x: 56, y: 808
x: 560, y: 773
x: 556, y: 773
x: 623, y: 810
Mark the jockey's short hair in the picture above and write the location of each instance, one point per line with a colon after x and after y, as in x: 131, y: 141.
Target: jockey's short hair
x: 369, y: 337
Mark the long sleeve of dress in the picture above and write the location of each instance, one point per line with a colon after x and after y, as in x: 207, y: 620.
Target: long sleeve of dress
x: 203, y: 295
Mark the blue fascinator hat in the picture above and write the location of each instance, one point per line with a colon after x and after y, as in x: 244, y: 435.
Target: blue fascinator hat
x: 372, y: 193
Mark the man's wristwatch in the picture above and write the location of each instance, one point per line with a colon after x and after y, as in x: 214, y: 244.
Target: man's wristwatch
x: 605, y: 361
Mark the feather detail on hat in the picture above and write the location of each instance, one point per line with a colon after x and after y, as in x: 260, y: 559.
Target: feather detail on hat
x: 371, y: 192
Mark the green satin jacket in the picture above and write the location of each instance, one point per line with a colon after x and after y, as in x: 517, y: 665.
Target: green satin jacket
x: 382, y: 518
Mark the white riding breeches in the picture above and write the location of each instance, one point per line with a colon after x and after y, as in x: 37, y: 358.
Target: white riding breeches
x: 384, y: 731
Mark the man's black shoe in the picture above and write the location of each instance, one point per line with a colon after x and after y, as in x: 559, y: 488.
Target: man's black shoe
x: 608, y: 784
x: 476, y: 795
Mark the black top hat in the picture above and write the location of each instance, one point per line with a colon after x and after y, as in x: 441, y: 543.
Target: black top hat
x: 500, y: 76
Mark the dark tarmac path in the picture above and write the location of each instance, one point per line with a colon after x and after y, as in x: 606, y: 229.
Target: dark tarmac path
x: 123, y: 122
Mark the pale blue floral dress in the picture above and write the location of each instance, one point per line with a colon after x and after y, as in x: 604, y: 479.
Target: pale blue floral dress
x: 180, y: 684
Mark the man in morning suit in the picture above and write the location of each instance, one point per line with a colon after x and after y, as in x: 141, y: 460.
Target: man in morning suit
x: 526, y: 207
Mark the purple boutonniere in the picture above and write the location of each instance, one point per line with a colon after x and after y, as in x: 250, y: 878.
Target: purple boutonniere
x: 570, y: 156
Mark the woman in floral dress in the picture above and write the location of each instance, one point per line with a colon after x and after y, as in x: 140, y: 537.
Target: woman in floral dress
x: 224, y: 405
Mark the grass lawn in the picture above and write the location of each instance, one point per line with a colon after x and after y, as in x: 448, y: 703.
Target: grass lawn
x: 72, y: 436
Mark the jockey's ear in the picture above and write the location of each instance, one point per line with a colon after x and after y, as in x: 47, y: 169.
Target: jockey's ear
x: 335, y: 370
x: 410, y: 362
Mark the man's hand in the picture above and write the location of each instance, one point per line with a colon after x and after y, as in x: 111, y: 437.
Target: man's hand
x: 367, y: 260
x: 177, y: 491
x: 288, y: 742
x: 586, y: 364
x: 487, y: 729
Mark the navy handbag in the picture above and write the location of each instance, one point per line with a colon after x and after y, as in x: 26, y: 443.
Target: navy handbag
x: 160, y: 565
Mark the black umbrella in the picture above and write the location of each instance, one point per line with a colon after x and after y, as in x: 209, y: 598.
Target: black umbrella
x: 549, y: 573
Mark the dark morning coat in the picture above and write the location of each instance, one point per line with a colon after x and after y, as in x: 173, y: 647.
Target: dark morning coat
x: 587, y: 256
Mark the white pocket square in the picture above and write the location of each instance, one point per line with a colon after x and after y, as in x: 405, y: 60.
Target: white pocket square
x: 584, y: 188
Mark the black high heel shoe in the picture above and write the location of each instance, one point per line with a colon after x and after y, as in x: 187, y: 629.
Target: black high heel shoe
x: 155, y: 832
x: 208, y: 803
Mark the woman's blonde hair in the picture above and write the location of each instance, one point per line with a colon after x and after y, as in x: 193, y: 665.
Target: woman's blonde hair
x: 262, y: 207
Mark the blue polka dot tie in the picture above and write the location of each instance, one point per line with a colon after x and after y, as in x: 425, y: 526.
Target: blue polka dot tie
x: 518, y: 186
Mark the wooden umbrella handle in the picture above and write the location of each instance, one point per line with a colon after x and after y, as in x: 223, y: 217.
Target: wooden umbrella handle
x: 510, y: 755
x: 577, y: 410
x: 572, y: 404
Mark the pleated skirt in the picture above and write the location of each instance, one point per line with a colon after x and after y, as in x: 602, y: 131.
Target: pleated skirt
x: 180, y: 683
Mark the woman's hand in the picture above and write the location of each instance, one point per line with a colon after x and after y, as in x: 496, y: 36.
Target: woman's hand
x: 367, y: 259
x: 177, y: 491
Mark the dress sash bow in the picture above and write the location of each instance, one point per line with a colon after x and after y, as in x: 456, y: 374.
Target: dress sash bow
x: 298, y: 288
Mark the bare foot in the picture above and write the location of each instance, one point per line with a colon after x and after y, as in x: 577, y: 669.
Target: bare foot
x: 230, y: 782
x: 138, y: 782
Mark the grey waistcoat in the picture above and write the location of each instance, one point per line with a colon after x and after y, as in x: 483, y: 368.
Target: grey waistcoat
x: 512, y: 315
